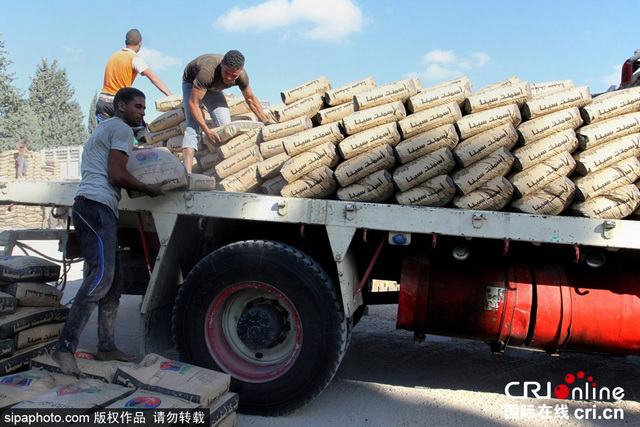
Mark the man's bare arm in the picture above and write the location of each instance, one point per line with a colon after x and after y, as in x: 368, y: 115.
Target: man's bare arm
x: 157, y: 81
x: 254, y: 104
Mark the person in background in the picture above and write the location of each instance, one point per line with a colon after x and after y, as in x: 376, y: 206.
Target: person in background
x: 21, y: 160
x: 95, y: 215
x: 203, y: 81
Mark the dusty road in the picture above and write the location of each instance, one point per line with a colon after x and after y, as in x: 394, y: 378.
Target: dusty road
x: 387, y: 379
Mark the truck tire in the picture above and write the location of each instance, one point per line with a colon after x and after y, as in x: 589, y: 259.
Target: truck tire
x: 269, y: 316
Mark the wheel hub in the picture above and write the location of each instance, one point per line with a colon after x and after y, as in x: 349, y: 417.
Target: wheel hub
x: 263, y: 324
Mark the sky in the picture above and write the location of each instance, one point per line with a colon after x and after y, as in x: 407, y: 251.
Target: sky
x: 290, y: 42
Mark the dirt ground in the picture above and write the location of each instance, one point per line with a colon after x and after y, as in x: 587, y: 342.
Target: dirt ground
x: 388, y: 379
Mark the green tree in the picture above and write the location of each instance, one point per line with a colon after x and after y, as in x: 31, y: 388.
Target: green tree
x: 9, y: 94
x: 50, y: 98
x: 92, y: 121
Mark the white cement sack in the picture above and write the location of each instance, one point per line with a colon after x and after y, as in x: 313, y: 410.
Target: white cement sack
x: 547, y: 88
x: 314, y: 158
x: 345, y: 93
x: 19, y: 360
x: 169, y: 103
x: 556, y: 101
x: 624, y: 172
x: 335, y: 114
x: 432, y: 118
x: 303, y: 141
x: 21, y: 268
x: 372, y: 117
x: 418, y: 171
x: 549, y: 124
x: 545, y: 148
x: 483, y: 144
x: 7, y: 347
x: 612, y: 104
x: 246, y: 116
x: 356, y: 168
x: 163, y: 135
x: 615, y: 204
x: 552, y: 199
x: 200, y: 182
x: 368, y: 139
x: 272, y: 148
x: 439, y: 95
x: 270, y: 167
x: 244, y: 181
x: 607, y: 154
x: 434, y: 192
x: 37, y: 334
x: 167, y: 120
x: 87, y: 363
x: 319, y: 184
x: 281, y: 130
x: 305, y: 107
x: 240, y: 143
x: 472, y: 177
x: 34, y: 294
x: 8, y: 303
x: 28, y: 317
x: 375, y: 188
x: 494, y: 195
x: 463, y: 81
x: 539, y: 175
x: 426, y: 142
x: 497, y: 85
x: 518, y: 93
x: 237, y: 105
x: 174, y: 144
x: 398, y: 91
x: 273, y: 186
x: 209, y: 160
x: 15, y: 388
x: 237, y: 162
x: 156, y: 166
x: 317, y: 86
x: 606, y: 130
x: 476, y: 123
x: 233, y: 129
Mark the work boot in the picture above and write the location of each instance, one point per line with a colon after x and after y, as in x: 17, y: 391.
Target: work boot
x: 67, y: 363
x: 115, y: 354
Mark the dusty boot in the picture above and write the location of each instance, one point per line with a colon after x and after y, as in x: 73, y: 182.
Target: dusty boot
x: 115, y: 354
x: 67, y: 363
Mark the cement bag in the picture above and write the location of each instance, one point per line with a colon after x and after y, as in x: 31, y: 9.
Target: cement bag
x: 156, y: 166
x: 375, y: 188
x: 27, y: 317
x: 460, y: 81
x: 305, y: 107
x: 174, y: 144
x: 624, y: 172
x: 476, y: 123
x: 426, y: 142
x: 539, y: 175
x: 494, y: 195
x: 606, y: 130
x: 552, y: 199
x: 15, y: 388
x: 432, y: 118
x: 239, y: 161
x: 364, y: 141
x: 144, y: 400
x: 200, y: 182
x: 545, y: 148
x: 243, y: 181
x: 8, y: 303
x: 237, y: 106
x: 34, y: 294
x: 303, y: 141
x: 345, y: 93
x: 518, y: 93
x: 273, y: 186
x: 246, y: 116
x: 356, y: 168
x: 549, y: 124
x: 438, y: 95
x: 615, y: 204
x: 497, y: 85
x: 7, y: 347
x: 87, y: 363
x: 416, y: 172
x: 434, y: 192
x: 318, y: 184
x: 546, y: 88
x: 557, y: 101
x: 612, y: 104
x: 483, y: 144
x: 240, y: 143
x: 472, y: 177
x: 270, y: 167
x: 305, y: 90
x: 300, y: 165
x: 272, y: 148
x: 232, y: 129
x: 167, y: 120
x: 398, y: 91
x: 335, y: 114
x: 281, y: 130
x: 607, y: 154
x: 169, y: 103
x: 27, y: 268
x: 163, y: 135
x: 372, y: 117
x: 37, y: 334
x: 209, y: 160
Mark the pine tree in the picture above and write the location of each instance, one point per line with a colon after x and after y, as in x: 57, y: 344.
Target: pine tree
x: 50, y: 98
x: 92, y: 121
x: 9, y: 95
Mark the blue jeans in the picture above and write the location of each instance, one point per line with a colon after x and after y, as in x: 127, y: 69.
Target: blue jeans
x: 97, y: 234
x: 215, y: 103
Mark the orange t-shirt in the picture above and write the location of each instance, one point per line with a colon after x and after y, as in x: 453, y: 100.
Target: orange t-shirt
x: 120, y: 71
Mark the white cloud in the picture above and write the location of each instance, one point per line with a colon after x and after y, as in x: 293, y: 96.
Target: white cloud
x: 613, y: 78
x: 156, y: 59
x: 446, y: 64
x: 323, y: 20
x: 439, y: 56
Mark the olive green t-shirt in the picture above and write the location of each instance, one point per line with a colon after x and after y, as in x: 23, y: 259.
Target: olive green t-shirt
x: 205, y: 73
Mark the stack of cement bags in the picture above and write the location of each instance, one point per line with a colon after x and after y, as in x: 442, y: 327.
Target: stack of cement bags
x: 31, y: 317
